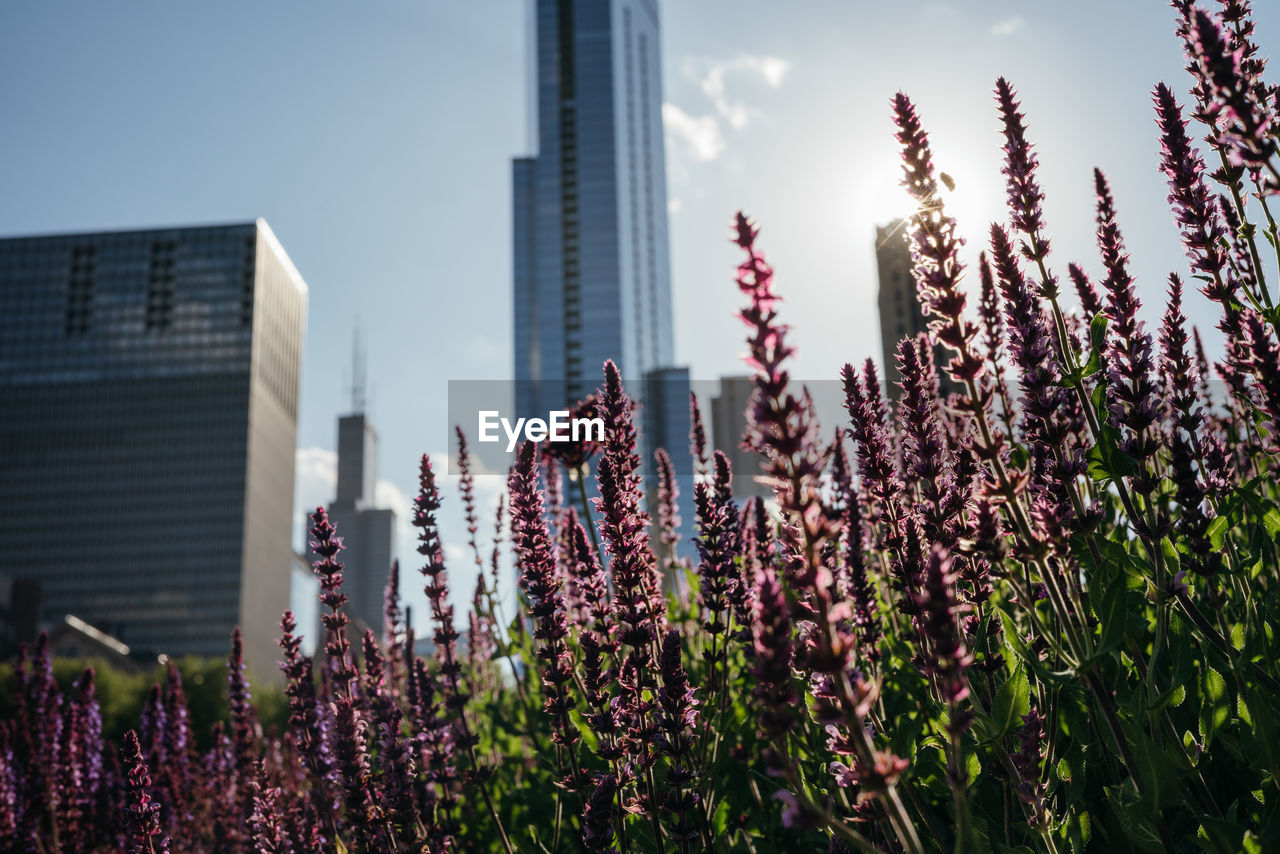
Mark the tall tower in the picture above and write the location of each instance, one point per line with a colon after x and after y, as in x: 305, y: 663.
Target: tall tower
x: 900, y: 312
x: 592, y: 273
x: 367, y: 532
x: 148, y: 421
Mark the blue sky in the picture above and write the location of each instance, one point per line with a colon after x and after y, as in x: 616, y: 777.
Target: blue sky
x: 376, y: 138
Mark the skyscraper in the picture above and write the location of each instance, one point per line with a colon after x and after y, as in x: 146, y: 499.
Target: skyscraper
x: 148, y: 412
x: 899, y: 311
x: 900, y: 314
x: 592, y: 272
x: 367, y: 532
x: 728, y: 423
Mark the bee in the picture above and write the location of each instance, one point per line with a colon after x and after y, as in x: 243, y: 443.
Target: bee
x: 948, y: 181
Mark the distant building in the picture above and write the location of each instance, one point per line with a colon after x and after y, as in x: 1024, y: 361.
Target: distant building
x: 592, y: 272
x: 665, y: 414
x: 20, y: 606
x: 148, y: 410
x: 367, y: 532
x: 900, y: 315
x: 728, y: 424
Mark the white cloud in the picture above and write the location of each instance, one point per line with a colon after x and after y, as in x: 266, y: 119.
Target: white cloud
x: 1009, y: 26
x: 387, y: 494
x: 712, y: 75
x: 700, y: 134
x: 772, y: 68
x: 315, y: 477
x: 674, y: 205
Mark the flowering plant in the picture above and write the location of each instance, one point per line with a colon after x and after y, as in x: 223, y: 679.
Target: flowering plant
x: 1036, y: 613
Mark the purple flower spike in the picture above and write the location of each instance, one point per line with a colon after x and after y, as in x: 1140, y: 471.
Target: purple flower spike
x: 541, y: 584
x: 775, y: 691
x: 300, y: 689
x: 697, y: 434
x: 1236, y: 107
x: 245, y: 732
x: 394, y: 754
x: 1025, y: 197
x: 142, y: 813
x: 1043, y: 401
x: 597, y: 816
x: 935, y: 248
x: 1085, y: 290
x: 677, y: 718
x: 995, y: 336
x: 668, y: 495
x: 1264, y: 359
x: 1027, y: 760
x: 426, y: 505
x: 923, y: 446
x: 1133, y: 400
x: 588, y: 584
x: 11, y: 818
x: 875, y: 454
x: 268, y: 832
x: 856, y: 586
x: 467, y: 488
x: 946, y: 658
x: 327, y: 544
x: 717, y: 545
x: 393, y: 629
x: 1194, y: 208
x: 624, y: 524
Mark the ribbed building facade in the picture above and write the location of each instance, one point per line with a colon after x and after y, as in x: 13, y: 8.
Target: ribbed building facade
x: 148, y: 412
x: 592, y: 270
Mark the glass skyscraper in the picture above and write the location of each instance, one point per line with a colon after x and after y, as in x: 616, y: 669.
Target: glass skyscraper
x: 148, y: 412
x: 592, y: 270
x: 592, y: 274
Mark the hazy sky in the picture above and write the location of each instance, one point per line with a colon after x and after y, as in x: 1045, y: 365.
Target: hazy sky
x: 376, y: 140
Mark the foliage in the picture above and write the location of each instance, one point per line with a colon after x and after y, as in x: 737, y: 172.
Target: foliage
x: 1036, y: 614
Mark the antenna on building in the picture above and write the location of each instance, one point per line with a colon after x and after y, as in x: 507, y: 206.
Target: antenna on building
x: 357, y: 373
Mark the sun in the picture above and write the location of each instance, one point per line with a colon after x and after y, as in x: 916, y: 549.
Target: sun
x: 970, y: 190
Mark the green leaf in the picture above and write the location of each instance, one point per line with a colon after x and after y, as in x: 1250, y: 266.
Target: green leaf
x: 973, y: 766
x: 1097, y: 339
x: 1126, y: 809
x: 1159, y: 775
x: 720, y: 820
x: 1215, y: 709
x: 1013, y: 700
x: 1217, y: 531
x: 1173, y: 697
x: 1170, y: 555
x: 1112, y: 615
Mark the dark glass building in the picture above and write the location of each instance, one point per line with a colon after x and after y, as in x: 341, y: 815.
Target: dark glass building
x: 592, y: 277
x: 148, y: 410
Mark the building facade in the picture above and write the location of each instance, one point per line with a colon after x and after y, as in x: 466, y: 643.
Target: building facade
x: 592, y: 272
x: 368, y: 533
x: 728, y: 424
x: 148, y: 411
